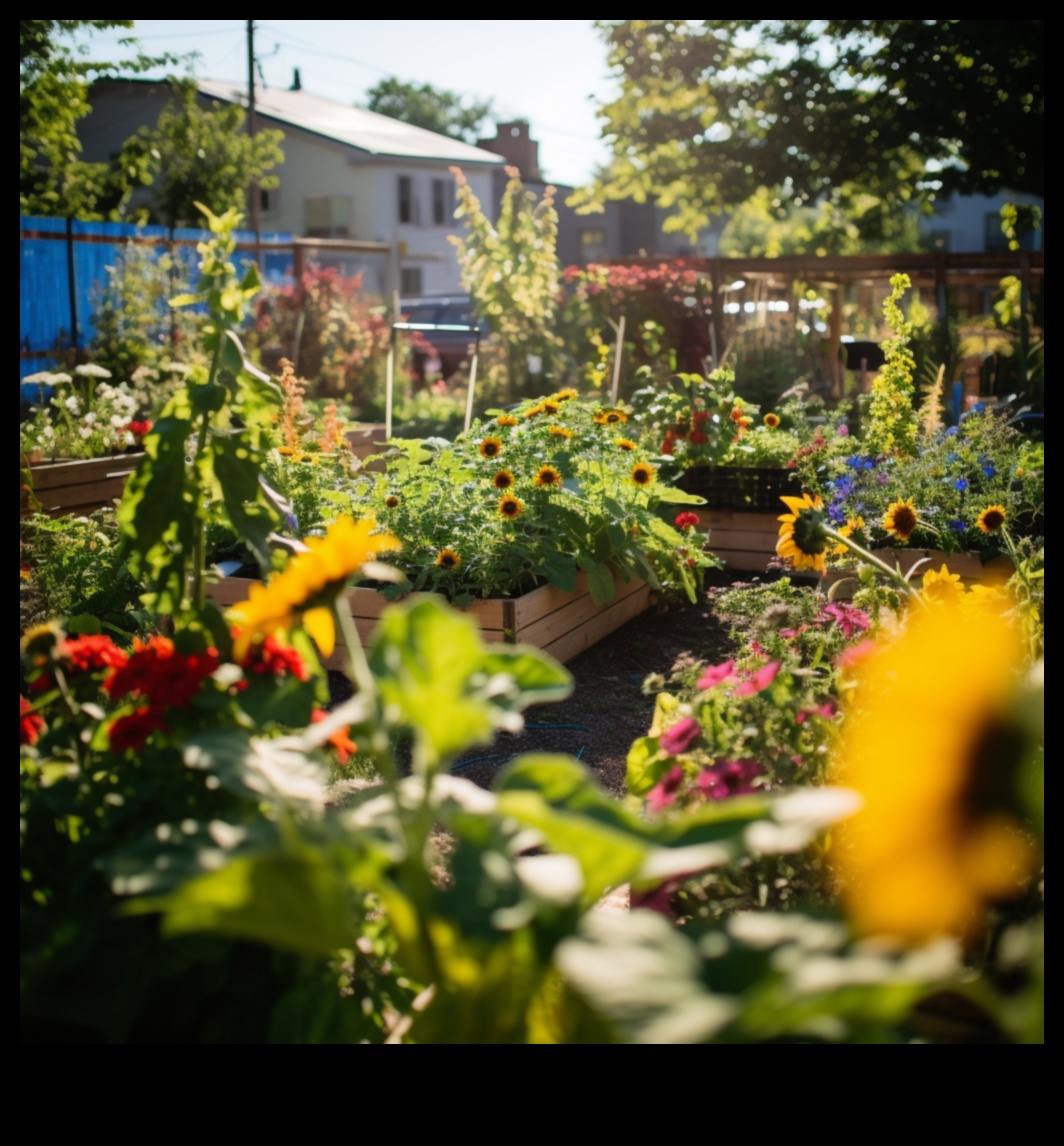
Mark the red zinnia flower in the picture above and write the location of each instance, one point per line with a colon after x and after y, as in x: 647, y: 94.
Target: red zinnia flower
x: 30, y: 724
x: 686, y: 520
x: 92, y: 653
x: 129, y: 733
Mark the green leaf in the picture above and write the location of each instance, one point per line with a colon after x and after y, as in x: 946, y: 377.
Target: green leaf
x: 560, y: 570
x: 645, y: 767
x: 670, y: 495
x: 644, y: 977
x: 252, y: 513
x: 437, y: 677
x: 83, y: 625
x: 296, y: 902
x: 599, y: 579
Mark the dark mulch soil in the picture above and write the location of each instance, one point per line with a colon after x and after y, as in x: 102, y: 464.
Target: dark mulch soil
x: 607, y: 709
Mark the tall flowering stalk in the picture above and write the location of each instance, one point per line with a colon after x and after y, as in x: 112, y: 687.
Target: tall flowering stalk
x: 892, y: 424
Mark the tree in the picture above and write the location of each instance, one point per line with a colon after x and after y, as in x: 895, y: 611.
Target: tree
x: 712, y: 112
x: 204, y: 155
x: 53, y: 95
x: 431, y: 108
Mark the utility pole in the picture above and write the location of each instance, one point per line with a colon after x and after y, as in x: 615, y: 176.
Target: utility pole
x: 253, y: 193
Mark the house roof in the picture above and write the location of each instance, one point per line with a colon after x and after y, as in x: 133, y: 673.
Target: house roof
x: 366, y: 130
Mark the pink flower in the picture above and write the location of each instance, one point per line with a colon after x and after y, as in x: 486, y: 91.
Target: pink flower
x: 664, y: 792
x: 680, y: 736
x: 759, y: 681
x: 844, y: 430
x: 728, y: 778
x: 827, y: 710
x: 717, y: 674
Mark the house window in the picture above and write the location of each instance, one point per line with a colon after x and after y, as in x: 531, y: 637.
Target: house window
x: 408, y: 212
x: 269, y: 200
x: 593, y: 237
x: 410, y: 280
x: 329, y: 217
x: 439, y: 201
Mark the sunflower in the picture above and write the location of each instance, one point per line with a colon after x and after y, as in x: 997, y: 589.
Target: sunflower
x: 611, y: 417
x: 929, y: 746
x: 625, y: 444
x: 566, y: 395
x: 772, y: 420
x: 548, y: 476
x: 490, y: 448
x: 306, y: 589
x: 802, y: 541
x: 549, y: 406
x: 506, y: 420
x: 393, y: 501
x: 991, y: 519
x: 503, y: 479
x: 643, y: 474
x: 901, y: 519
x: 532, y: 411
x: 561, y: 432
x: 448, y: 559
x: 511, y: 507
x: 942, y: 585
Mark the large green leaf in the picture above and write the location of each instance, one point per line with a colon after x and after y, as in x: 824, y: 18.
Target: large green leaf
x: 436, y: 676
x: 252, y: 513
x: 669, y: 494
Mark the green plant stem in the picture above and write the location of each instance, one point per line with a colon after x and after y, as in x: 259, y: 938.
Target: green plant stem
x: 416, y: 824
x: 870, y: 559
x: 199, y: 549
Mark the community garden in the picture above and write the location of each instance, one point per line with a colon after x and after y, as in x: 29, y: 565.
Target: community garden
x: 301, y: 758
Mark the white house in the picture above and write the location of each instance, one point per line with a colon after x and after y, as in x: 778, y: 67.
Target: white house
x: 348, y: 173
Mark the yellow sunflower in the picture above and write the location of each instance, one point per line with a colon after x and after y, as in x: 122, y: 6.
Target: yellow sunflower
x: 929, y: 746
x: 625, y: 444
x: 992, y: 518
x: 503, y: 479
x: 490, y: 448
x: 548, y: 476
x: 566, y: 395
x: 448, y: 559
x: 561, y: 432
x: 772, y: 420
x: 510, y: 506
x: 549, y: 406
x: 306, y: 589
x: 901, y: 519
x: 611, y: 417
x: 852, y: 526
x: 802, y: 541
x: 643, y: 474
x: 532, y: 411
x: 506, y: 420
x: 393, y: 501
x: 940, y: 585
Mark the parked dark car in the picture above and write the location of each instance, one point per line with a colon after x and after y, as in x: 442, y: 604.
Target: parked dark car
x: 449, y: 348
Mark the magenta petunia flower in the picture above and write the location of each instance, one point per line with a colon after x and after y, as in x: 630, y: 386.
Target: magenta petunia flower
x: 728, y: 778
x: 717, y: 674
x: 759, y: 681
x: 664, y: 792
x: 680, y: 736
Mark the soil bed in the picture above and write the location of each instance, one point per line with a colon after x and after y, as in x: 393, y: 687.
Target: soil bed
x: 607, y: 709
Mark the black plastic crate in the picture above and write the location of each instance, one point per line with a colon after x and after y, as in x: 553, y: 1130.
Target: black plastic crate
x: 738, y: 488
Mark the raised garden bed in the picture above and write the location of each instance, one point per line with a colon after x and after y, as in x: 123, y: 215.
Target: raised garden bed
x: 968, y: 566
x: 562, y: 624
x: 83, y: 485
x: 366, y: 439
x: 743, y: 540
x: 741, y: 489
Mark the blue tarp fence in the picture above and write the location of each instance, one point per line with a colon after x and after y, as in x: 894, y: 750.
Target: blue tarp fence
x: 63, y: 271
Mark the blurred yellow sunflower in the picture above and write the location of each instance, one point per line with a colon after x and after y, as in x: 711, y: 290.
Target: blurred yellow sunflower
x: 929, y: 746
x: 625, y: 444
x: 561, y: 432
x: 642, y: 473
x: 901, y: 519
x: 992, y: 518
x: 566, y: 395
x: 510, y: 506
x: 448, y: 559
x: 503, y: 479
x: 305, y: 591
x: 802, y: 540
x: 490, y: 447
x: 611, y: 417
x: 548, y: 476
x: 506, y: 420
x: 771, y: 420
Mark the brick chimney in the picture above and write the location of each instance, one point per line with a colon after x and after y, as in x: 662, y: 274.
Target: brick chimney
x: 517, y: 147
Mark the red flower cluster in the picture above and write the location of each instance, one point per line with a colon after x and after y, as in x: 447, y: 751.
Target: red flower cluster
x: 686, y: 521
x: 139, y: 429
x: 30, y: 724
x: 92, y: 653
x: 165, y: 678
x: 271, y: 658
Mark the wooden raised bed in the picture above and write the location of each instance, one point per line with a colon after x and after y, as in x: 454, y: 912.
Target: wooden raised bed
x: 562, y: 624
x: 743, y: 540
x: 366, y: 439
x: 968, y: 566
x: 81, y: 486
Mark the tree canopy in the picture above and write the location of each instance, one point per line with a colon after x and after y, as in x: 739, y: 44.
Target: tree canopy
x: 54, y: 83
x: 713, y: 112
x: 432, y: 108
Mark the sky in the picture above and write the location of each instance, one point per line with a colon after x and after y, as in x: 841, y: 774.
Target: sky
x: 551, y: 73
